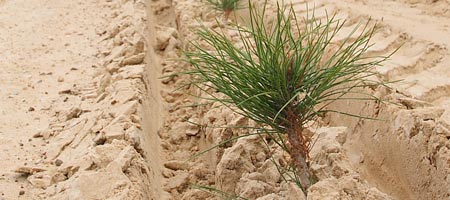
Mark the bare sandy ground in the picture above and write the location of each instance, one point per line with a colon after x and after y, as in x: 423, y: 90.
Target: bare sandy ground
x: 71, y: 90
x: 46, y: 46
x: 85, y: 114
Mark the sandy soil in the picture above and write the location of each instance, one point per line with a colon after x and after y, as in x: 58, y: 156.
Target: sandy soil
x: 71, y: 93
x: 84, y: 113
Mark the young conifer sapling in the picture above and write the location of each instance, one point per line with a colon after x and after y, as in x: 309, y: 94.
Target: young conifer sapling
x: 285, y: 73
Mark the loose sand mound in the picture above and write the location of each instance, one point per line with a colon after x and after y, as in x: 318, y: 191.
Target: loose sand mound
x: 85, y: 114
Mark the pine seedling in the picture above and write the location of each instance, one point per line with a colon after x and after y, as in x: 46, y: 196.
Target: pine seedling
x: 285, y: 73
x: 227, y: 6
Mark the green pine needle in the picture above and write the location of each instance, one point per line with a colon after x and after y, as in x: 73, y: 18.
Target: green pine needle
x: 283, y: 73
x: 224, y: 5
x: 276, y: 67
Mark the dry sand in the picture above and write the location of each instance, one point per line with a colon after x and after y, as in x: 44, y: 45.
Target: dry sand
x: 84, y: 113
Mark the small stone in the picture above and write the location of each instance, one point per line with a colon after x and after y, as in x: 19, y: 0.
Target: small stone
x: 58, y: 162
x: 413, y: 103
x: 179, y: 181
x: 99, y: 139
x: 21, y: 192
x: 40, y: 180
x: 45, y: 134
x: 31, y: 109
x: 29, y: 170
x: 193, y: 130
x: 134, y: 60
x: 45, y: 73
x: 163, y: 37
x: 132, y: 71
x: 37, y: 135
x: 115, y: 131
x: 66, y: 91
x: 176, y: 165
x: 113, y: 67
x: 60, y: 79
x: 132, y: 136
x: 74, y: 112
x: 167, y: 173
x: 116, y: 52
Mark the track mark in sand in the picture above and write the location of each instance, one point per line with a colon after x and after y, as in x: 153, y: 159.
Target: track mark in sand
x: 413, y: 58
x: 421, y: 67
x: 302, y: 7
x: 437, y: 93
x: 346, y: 30
x: 427, y: 85
x: 415, y: 63
x: 385, y: 44
x: 320, y: 11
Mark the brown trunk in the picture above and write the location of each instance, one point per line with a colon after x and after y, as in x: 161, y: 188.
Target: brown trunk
x: 227, y: 14
x: 299, y: 148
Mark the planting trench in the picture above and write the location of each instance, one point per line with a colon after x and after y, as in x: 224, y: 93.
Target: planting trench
x: 111, y: 127
x: 404, y: 154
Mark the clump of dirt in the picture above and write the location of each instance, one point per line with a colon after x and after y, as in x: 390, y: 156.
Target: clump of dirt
x: 97, y: 138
